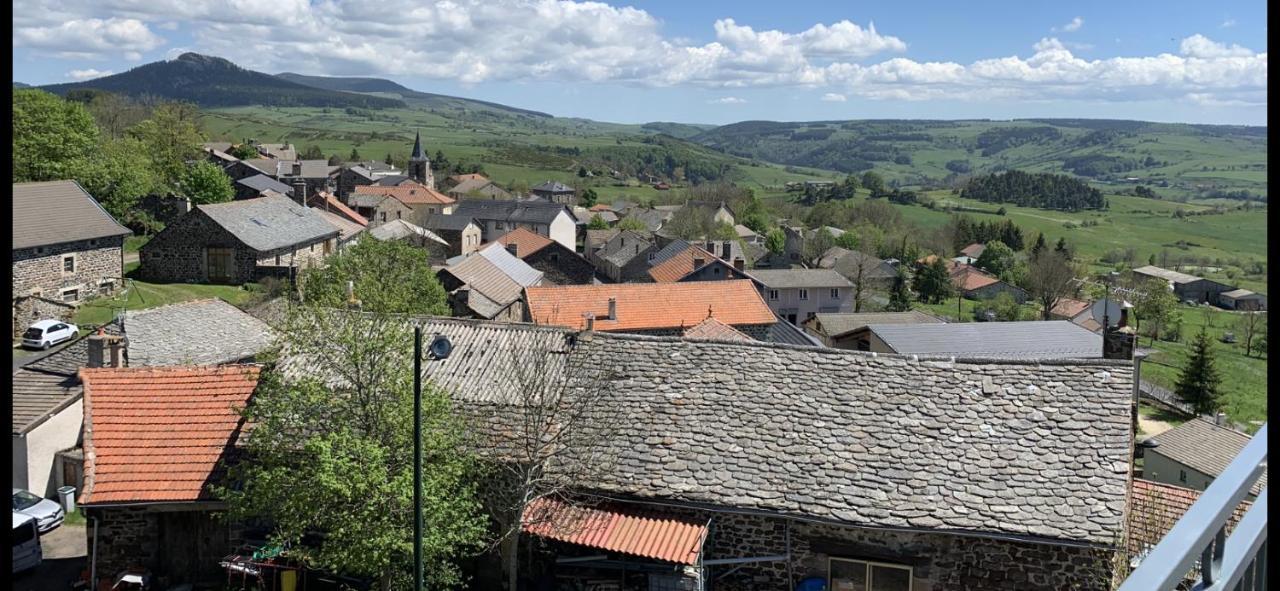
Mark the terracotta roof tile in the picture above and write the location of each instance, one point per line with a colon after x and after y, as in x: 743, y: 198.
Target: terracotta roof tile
x: 1068, y: 308
x: 330, y: 203
x: 682, y: 263
x: 527, y: 241
x: 1155, y: 507
x: 714, y: 330
x: 616, y: 528
x: 160, y: 434
x: 968, y: 277
x: 647, y: 306
x: 410, y: 194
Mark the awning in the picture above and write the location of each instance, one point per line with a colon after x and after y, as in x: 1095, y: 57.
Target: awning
x: 618, y: 529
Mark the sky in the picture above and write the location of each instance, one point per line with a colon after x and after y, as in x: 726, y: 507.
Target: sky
x: 706, y: 61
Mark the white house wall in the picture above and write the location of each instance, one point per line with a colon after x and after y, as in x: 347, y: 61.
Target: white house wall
x: 564, y: 231
x: 60, y: 432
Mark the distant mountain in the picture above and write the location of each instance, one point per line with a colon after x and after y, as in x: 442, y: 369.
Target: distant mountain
x: 21, y: 85
x: 680, y: 130
x: 215, y: 82
x: 380, y: 86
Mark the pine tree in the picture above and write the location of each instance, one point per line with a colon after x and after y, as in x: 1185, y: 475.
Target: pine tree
x: 355, y: 155
x: 899, y: 296
x: 1198, y: 384
x: 1062, y: 248
x: 1039, y: 246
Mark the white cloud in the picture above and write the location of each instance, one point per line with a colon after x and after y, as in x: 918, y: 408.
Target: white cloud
x: 89, y: 38
x: 1070, y: 27
x: 832, y: 97
x: 88, y: 74
x: 728, y: 100
x: 1227, y: 24
x: 1199, y: 46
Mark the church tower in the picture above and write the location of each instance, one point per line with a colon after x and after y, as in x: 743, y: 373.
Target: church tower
x: 419, y: 165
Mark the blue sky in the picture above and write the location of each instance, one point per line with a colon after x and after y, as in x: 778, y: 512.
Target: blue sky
x: 707, y: 62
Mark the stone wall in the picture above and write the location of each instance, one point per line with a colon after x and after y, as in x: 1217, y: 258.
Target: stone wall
x: 41, y: 269
x: 561, y: 266
x: 27, y: 310
x: 178, y: 254
x: 176, y: 546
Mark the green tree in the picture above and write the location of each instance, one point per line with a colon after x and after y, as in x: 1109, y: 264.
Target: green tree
x: 582, y: 172
x: 1062, y: 248
x: 1199, y: 381
x: 722, y: 231
x: 848, y: 241
x: 899, y: 295
x: 388, y: 160
x: 597, y: 223
x: 313, y: 152
x: 632, y: 224
x: 52, y: 138
x: 118, y: 178
x: 172, y: 137
x: 757, y: 221
x: 1049, y: 279
x: 390, y: 277
x: 244, y: 151
x: 1006, y: 308
x: 817, y: 243
x: 775, y: 241
x: 335, y: 160
x: 205, y: 182
x: 933, y: 282
x: 1156, y: 307
x: 873, y: 182
x: 355, y: 155
x: 1039, y: 246
x: 335, y: 456
x: 996, y: 258
x: 589, y: 198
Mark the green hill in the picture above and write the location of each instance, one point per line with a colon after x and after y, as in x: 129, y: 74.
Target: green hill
x: 215, y: 82
x: 389, y: 89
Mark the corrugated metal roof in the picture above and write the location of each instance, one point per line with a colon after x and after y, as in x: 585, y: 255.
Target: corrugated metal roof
x: 495, y: 273
x: 1053, y: 339
x: 1166, y: 274
x: 58, y: 211
x: 269, y: 223
x: 618, y: 529
x: 1204, y: 446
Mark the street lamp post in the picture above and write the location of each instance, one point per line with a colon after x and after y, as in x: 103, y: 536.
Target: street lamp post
x: 438, y: 350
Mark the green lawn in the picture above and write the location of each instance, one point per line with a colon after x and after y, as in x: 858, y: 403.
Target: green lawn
x: 948, y: 310
x: 1244, y: 379
x: 133, y: 243
x: 141, y: 295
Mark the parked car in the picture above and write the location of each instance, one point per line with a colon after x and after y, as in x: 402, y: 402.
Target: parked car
x: 48, y: 514
x: 26, y: 543
x: 47, y: 333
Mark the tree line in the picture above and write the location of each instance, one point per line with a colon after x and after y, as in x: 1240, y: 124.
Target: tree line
x: 1043, y: 190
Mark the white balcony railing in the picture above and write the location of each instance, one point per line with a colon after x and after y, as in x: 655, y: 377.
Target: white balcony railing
x: 1235, y: 563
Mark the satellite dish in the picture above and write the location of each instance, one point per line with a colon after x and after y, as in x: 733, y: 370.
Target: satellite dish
x: 440, y: 347
x: 1109, y: 307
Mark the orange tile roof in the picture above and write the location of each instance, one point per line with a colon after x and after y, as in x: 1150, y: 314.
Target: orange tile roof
x: 968, y: 278
x: 1154, y: 507
x: 973, y: 250
x: 410, y: 194
x: 527, y: 241
x: 617, y: 528
x: 158, y: 434
x: 714, y: 330
x: 458, y: 178
x: 322, y: 200
x: 676, y: 267
x: 1069, y: 307
x: 649, y: 306
x: 600, y: 207
x: 928, y: 260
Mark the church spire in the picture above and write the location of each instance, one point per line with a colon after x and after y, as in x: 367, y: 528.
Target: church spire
x: 417, y: 147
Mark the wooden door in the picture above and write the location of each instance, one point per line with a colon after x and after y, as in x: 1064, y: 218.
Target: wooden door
x: 220, y: 265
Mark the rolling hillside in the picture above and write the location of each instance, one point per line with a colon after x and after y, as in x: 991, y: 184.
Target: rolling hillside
x: 215, y: 82
x: 389, y: 89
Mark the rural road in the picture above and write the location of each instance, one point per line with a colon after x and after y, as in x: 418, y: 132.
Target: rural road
x: 130, y: 257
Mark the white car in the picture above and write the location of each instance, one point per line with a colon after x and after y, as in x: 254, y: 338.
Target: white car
x: 48, y: 514
x: 47, y: 333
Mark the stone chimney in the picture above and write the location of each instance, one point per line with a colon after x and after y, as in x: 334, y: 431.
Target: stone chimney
x: 698, y: 261
x: 591, y: 321
x: 511, y: 248
x: 613, y: 308
x: 739, y: 264
x: 300, y: 192
x: 106, y: 350
x: 297, y: 168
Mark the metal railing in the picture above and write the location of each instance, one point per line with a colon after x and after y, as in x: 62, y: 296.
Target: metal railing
x: 1237, y: 562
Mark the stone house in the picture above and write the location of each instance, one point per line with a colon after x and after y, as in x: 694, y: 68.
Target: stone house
x: 708, y: 485
x: 976, y: 284
x: 412, y: 202
x: 252, y: 187
x: 652, y: 308
x: 477, y: 188
x: 66, y: 247
x: 350, y: 177
x: 489, y: 283
x: 799, y: 294
x: 559, y: 265
x: 682, y: 261
x: 555, y: 192
x: 153, y: 505
x: 239, y: 242
x: 1048, y: 339
x: 380, y: 209
x: 462, y: 233
x: 496, y: 218
x: 625, y: 256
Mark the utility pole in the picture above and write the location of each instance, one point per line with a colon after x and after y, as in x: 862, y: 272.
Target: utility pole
x: 417, y: 458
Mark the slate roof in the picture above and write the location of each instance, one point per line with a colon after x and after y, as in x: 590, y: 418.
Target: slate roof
x: 1052, y: 339
x: 653, y: 219
x: 1238, y: 293
x: 623, y: 247
x: 598, y: 238
x: 526, y: 241
x: 267, y: 166
x: 800, y: 278
x: 836, y: 324
x: 539, y: 212
x: 392, y: 180
x: 160, y: 434
x: 552, y: 187
x: 262, y: 182
x: 397, y: 229
x: 496, y: 274
x: 279, y: 151
x: 847, y: 263
x: 311, y: 169
x: 363, y: 172
x: 672, y: 249
x: 197, y: 332
x: 1166, y: 274
x: 1204, y: 446
x: 470, y: 185
x: 38, y: 396
x: 449, y: 222
x: 714, y: 330
x: 649, y: 306
x: 270, y: 223
x: 347, y: 229
x: 1154, y: 508
x: 789, y: 334
x: 78, y: 216
x: 1037, y: 450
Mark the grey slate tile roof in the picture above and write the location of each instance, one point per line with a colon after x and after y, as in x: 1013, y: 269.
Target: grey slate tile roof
x: 391, y: 180
x: 198, y: 332
x: 836, y: 324
x: 850, y: 262
x: 623, y: 247
x: 449, y: 222
x: 38, y: 396
x: 397, y: 229
x: 1036, y: 449
x: 270, y: 223
x: 800, y: 278
x: 673, y: 248
x: 58, y: 211
x: 540, y: 212
x: 262, y: 182
x: 552, y: 187
x: 1052, y: 339
x: 653, y: 219
x: 1204, y: 446
x: 790, y: 334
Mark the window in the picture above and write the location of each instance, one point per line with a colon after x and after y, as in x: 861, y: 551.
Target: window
x: 499, y: 226
x: 835, y: 294
x: 106, y: 287
x: 277, y: 260
x: 773, y: 295
x: 652, y: 255
x: 384, y: 216
x: 69, y: 264
x: 93, y: 242
x: 716, y: 271
x: 70, y: 295
x: 804, y: 294
x: 1182, y: 475
x: 397, y: 214
x: 864, y: 575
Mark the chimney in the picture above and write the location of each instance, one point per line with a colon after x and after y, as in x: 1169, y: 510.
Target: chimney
x: 727, y: 248
x: 300, y: 192
x: 511, y: 248
x: 97, y: 349
x: 698, y: 261
x: 352, y: 302
x: 297, y: 168
x: 591, y: 322
x: 106, y: 350
x: 739, y: 264
x: 1219, y: 418
x: 613, y: 308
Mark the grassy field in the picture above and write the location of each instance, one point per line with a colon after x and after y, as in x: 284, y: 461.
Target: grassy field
x: 1244, y: 378
x: 133, y: 243
x: 141, y: 295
